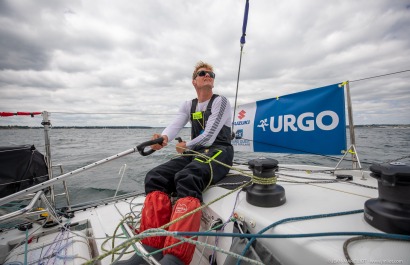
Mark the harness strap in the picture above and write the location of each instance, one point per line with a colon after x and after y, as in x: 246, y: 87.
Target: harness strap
x: 210, y: 158
x: 193, y: 110
x: 208, y: 108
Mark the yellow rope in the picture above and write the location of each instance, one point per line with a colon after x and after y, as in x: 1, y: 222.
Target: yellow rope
x: 319, y: 186
x: 264, y: 181
x: 254, y: 179
x: 135, y: 239
x: 347, y: 192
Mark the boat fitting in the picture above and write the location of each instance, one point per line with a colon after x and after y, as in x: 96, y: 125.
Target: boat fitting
x: 390, y: 212
x: 265, y: 192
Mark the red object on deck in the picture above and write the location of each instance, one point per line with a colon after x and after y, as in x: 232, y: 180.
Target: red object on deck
x: 155, y: 213
x: 185, y: 251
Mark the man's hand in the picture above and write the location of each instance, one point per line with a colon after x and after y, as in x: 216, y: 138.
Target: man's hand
x: 181, y: 147
x: 158, y: 146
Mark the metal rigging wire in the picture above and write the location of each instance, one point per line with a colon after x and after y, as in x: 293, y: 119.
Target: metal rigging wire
x: 376, y: 76
x: 242, y: 40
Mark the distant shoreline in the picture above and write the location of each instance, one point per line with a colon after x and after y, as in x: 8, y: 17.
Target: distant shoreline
x: 149, y: 127
x: 77, y: 127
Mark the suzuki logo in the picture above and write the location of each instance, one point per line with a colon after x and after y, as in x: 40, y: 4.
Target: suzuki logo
x: 241, y: 114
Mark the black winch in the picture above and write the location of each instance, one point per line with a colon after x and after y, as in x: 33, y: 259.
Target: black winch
x: 264, y: 192
x: 391, y: 211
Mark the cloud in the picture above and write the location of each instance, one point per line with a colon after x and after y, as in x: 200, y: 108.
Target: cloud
x: 138, y: 56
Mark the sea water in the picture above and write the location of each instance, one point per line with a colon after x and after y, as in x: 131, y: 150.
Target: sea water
x: 75, y: 148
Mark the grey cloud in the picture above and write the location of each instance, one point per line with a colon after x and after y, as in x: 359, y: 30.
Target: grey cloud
x: 21, y: 54
x: 127, y: 56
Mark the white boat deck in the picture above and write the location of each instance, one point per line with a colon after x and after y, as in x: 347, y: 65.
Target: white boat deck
x: 93, y: 226
x: 315, y: 199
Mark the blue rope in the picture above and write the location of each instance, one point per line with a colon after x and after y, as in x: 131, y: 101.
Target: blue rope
x: 293, y: 219
x: 260, y: 234
x: 369, y: 234
x: 64, y: 247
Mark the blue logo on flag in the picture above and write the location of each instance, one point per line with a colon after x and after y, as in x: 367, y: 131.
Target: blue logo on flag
x: 311, y: 122
x: 239, y: 134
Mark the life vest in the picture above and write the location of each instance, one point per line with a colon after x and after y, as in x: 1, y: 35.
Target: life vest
x: 199, y: 122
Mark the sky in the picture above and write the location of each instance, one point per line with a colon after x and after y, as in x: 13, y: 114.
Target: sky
x: 130, y: 62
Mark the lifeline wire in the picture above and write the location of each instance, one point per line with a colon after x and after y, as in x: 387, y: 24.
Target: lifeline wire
x: 377, y: 76
x: 169, y: 114
x: 303, y: 151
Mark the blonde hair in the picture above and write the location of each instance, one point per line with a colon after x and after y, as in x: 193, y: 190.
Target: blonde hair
x: 199, y: 65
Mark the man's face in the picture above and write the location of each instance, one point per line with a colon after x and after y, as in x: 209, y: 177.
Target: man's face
x: 204, y: 78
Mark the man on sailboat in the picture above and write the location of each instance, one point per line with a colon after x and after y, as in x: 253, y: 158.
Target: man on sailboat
x: 189, y: 174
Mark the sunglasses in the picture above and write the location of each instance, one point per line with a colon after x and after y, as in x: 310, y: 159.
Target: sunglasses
x: 203, y: 73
